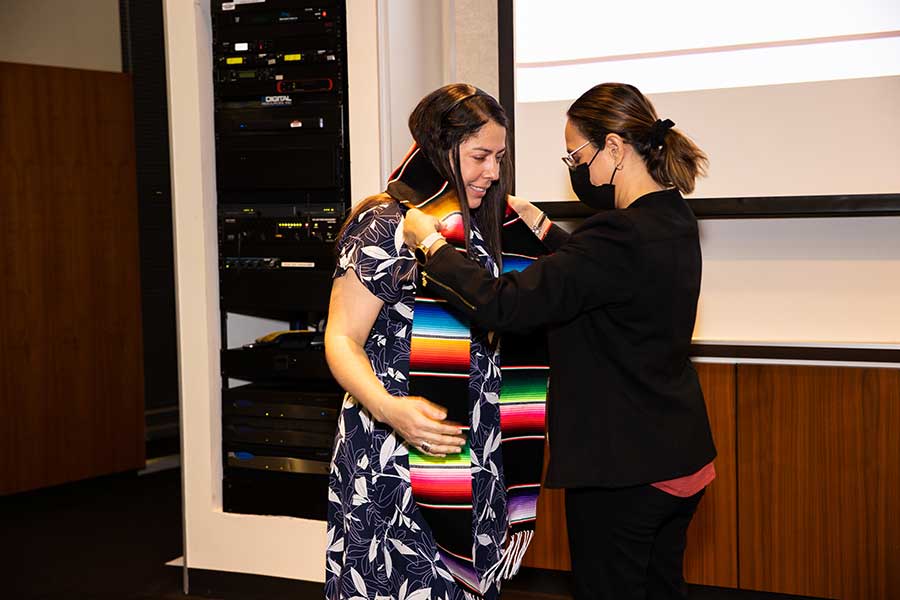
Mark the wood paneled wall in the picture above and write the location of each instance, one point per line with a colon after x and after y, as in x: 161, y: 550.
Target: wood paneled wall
x: 550, y: 547
x: 819, y: 478
x: 712, y: 547
x: 71, y: 390
x: 711, y: 558
x: 807, y: 495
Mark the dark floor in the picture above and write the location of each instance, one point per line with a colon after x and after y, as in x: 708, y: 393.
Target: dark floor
x: 109, y: 538
x: 104, y: 538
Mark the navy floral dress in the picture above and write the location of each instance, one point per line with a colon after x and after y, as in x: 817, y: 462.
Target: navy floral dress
x: 379, y: 546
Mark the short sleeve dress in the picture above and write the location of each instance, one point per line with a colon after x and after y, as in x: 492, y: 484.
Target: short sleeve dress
x: 378, y: 543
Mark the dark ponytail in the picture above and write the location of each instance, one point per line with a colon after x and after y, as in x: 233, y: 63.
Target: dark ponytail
x: 672, y: 159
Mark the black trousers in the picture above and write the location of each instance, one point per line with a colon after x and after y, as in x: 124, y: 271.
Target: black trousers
x: 628, y: 543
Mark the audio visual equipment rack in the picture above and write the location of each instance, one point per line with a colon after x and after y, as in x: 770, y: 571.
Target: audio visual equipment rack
x: 282, y: 156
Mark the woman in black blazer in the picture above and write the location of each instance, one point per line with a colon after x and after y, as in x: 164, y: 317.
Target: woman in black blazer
x: 629, y: 434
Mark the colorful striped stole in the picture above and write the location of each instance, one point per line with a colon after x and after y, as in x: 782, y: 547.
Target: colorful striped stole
x: 440, y: 364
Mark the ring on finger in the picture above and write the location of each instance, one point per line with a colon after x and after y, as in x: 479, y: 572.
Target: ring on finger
x: 425, y: 446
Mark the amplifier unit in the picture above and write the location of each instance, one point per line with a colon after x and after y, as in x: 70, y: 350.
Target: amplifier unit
x: 283, y: 433
x: 275, y: 12
x: 265, y: 459
x: 261, y: 485
x: 275, y: 293
x: 311, y: 47
x: 276, y: 266
x: 296, y: 356
x: 265, y: 415
x: 277, y: 114
x: 261, y: 33
x: 259, y: 58
x: 287, y: 163
x: 292, y: 238
x: 261, y: 82
x: 276, y: 402
x: 265, y: 119
x: 290, y: 198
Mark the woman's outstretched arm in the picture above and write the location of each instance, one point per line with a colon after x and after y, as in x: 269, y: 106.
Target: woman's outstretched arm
x: 352, y: 312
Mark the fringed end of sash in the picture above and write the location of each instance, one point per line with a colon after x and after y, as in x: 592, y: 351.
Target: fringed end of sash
x: 511, y: 560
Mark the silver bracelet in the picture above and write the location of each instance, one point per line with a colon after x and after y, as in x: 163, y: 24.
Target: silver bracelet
x: 536, y: 229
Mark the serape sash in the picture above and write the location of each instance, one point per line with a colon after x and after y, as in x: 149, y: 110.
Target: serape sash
x: 440, y: 364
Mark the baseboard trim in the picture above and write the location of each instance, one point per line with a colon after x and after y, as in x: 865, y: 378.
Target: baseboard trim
x: 542, y: 581
x: 549, y: 583
x: 227, y: 585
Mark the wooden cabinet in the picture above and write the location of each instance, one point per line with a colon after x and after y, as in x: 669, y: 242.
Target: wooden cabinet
x: 711, y: 557
x: 819, y: 481
x: 712, y: 542
x: 71, y: 363
x: 550, y: 547
x: 807, y: 495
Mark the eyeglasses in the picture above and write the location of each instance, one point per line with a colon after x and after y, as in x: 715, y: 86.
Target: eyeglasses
x: 569, y: 158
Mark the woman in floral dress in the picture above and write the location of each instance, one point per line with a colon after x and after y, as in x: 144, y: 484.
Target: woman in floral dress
x: 380, y: 544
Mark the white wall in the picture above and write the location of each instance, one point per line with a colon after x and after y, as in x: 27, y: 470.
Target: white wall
x: 82, y: 34
x: 275, y: 546
x: 824, y: 282
x: 476, y: 44
x: 832, y: 137
x: 426, y: 45
x: 412, y: 62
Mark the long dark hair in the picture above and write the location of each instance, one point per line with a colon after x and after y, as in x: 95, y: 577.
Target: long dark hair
x: 621, y: 108
x: 442, y: 121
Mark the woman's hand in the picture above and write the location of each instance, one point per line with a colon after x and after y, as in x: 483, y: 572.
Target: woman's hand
x: 417, y: 226
x: 422, y: 424
x: 525, y: 209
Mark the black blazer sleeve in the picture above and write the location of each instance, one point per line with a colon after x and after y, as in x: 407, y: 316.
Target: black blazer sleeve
x: 594, y: 267
x: 555, y: 238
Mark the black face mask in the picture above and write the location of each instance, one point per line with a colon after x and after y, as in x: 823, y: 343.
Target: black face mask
x: 598, y: 197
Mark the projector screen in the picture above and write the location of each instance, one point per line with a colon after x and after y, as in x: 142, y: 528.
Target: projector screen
x: 790, y: 98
